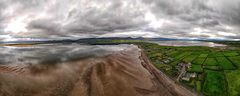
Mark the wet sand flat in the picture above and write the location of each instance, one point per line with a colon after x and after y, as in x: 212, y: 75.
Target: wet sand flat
x: 123, y: 73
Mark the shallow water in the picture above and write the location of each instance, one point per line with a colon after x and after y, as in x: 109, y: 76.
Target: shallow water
x: 187, y: 43
x: 54, y: 53
x: 57, y: 53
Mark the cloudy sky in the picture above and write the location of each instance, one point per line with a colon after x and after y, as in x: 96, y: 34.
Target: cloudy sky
x: 54, y: 19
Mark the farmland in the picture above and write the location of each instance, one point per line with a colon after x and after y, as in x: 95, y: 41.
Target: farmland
x: 209, y: 71
x: 214, y: 84
x: 217, y: 69
x: 233, y: 82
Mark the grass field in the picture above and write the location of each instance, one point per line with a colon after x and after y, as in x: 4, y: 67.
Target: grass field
x: 230, y: 53
x: 214, y: 84
x: 198, y: 86
x: 225, y: 63
x: 173, y: 53
x: 181, y: 56
x: 235, y: 60
x: 175, y: 63
x: 199, y: 60
x: 215, y: 54
x: 210, y: 62
x: 196, y: 68
x: 190, y: 58
x: 216, y: 68
x: 233, y: 82
x: 203, y: 55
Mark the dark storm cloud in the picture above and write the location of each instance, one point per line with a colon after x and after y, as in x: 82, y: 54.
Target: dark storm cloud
x: 78, y: 18
x: 229, y: 10
x: 67, y: 17
x: 43, y: 25
x: 214, y: 16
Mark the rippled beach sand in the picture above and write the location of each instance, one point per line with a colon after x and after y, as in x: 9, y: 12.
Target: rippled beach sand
x: 123, y: 70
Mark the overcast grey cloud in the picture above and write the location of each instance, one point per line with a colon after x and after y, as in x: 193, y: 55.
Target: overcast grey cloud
x: 119, y: 18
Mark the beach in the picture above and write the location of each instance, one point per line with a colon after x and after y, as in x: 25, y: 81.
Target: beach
x: 127, y: 72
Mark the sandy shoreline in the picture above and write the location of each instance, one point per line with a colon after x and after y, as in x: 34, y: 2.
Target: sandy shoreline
x: 124, y: 73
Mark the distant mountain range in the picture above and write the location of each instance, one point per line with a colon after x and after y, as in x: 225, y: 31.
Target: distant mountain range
x: 87, y: 40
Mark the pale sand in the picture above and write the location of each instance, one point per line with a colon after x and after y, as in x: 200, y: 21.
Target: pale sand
x: 124, y: 73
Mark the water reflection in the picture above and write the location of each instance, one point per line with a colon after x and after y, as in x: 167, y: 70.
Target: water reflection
x: 53, y: 53
x: 187, y: 43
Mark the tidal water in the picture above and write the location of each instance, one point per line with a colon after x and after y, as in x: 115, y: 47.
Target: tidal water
x: 54, y: 53
x: 57, y: 53
x: 187, y: 43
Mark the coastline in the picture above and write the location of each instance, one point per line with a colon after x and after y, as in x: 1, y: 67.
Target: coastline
x: 124, y: 73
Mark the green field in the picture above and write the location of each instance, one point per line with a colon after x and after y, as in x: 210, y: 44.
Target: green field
x: 198, y: 86
x: 215, y: 54
x: 214, y: 84
x: 210, y: 62
x: 190, y: 58
x: 182, y: 55
x: 235, y: 60
x: 225, y: 63
x: 173, y: 53
x: 216, y: 68
x: 203, y: 55
x: 175, y: 63
x: 233, y: 78
x: 196, y: 68
x: 199, y: 60
x: 230, y: 53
